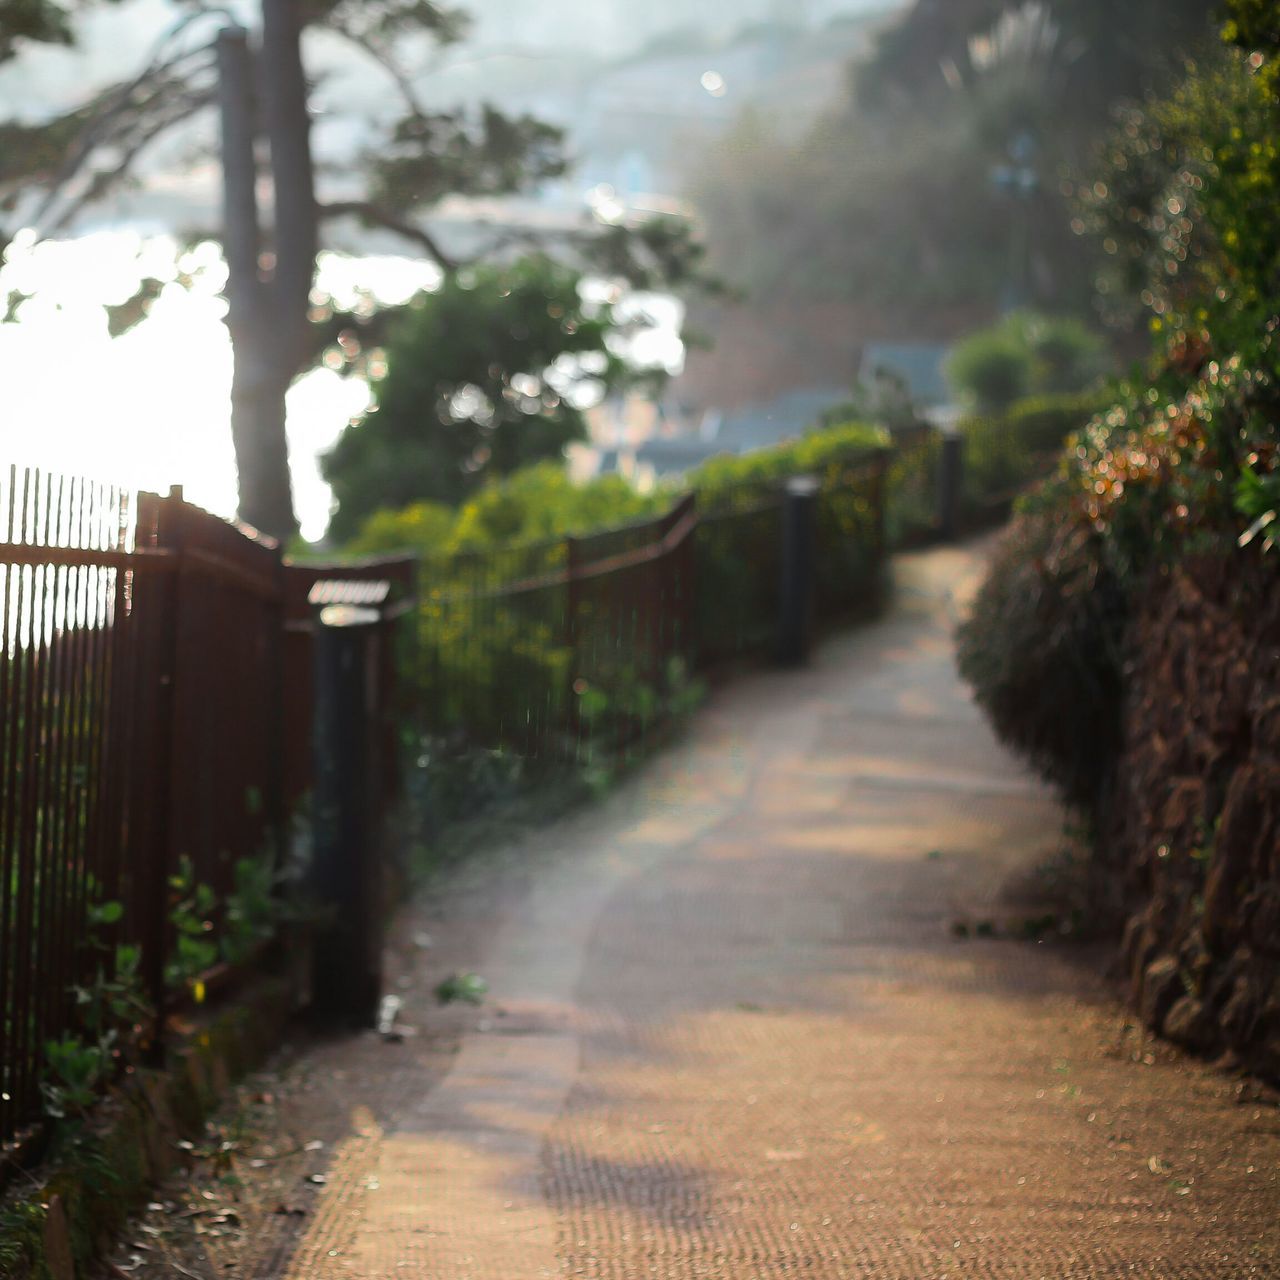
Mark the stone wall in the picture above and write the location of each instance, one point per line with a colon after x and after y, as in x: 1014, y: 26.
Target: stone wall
x: 1192, y: 835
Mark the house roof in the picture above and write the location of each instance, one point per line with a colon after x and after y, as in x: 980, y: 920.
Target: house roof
x: 918, y: 364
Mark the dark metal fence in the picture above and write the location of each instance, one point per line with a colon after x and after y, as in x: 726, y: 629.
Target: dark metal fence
x: 146, y: 747
x: 912, y: 481
x: 577, y: 648
x: 156, y: 688
x: 70, y: 659
x: 560, y: 649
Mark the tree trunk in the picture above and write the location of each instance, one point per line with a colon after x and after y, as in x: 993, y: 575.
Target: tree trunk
x: 267, y: 319
x: 262, y: 455
x: 258, y: 385
x: 288, y: 129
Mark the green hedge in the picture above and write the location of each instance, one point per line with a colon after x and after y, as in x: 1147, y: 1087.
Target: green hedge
x: 496, y: 667
x: 1005, y: 454
x: 739, y: 480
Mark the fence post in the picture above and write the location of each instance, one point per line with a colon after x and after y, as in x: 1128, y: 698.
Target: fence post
x: 573, y: 725
x: 799, y: 547
x: 689, y: 591
x: 347, y: 969
x: 880, y: 506
x: 277, y: 807
x: 950, y: 483
x: 168, y: 760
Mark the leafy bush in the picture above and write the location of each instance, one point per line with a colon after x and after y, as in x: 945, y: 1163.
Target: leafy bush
x: 531, y: 505
x: 480, y: 382
x: 990, y: 369
x: 498, y: 668
x: 1185, y: 461
x: 739, y: 550
x: 1024, y: 354
x: 543, y: 502
x: 1042, y: 648
x: 424, y: 527
x: 825, y: 454
x: 1005, y: 453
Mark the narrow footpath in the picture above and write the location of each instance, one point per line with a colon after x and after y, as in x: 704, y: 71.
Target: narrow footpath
x: 747, y: 1021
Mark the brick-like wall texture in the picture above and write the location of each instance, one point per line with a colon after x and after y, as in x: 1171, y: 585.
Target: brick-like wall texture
x: 1193, y: 825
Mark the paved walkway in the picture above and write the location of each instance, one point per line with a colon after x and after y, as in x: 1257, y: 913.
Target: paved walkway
x: 733, y: 1031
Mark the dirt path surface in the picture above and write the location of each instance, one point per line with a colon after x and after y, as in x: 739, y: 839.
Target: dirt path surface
x: 734, y: 1031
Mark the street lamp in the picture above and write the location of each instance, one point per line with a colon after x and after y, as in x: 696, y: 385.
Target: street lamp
x: 1020, y: 181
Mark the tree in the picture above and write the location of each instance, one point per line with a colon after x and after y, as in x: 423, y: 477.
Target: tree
x: 935, y: 183
x: 483, y: 378
x: 37, y: 21
x: 51, y: 171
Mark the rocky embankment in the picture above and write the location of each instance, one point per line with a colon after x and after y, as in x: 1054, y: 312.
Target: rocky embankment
x: 1193, y: 833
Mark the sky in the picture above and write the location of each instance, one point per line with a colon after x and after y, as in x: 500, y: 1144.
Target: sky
x: 152, y: 408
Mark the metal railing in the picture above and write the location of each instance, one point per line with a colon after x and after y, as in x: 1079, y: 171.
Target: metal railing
x: 152, y: 737
x: 577, y: 647
x: 156, y: 684
x: 560, y: 649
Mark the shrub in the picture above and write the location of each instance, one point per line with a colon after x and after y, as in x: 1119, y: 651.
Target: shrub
x: 722, y: 481
x: 531, y: 505
x: 991, y: 369
x: 1068, y: 356
x: 1024, y: 354
x: 496, y: 667
x: 1006, y: 453
x: 424, y: 527
x: 1042, y: 647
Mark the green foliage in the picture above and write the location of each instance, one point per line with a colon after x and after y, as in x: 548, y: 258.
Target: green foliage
x: 481, y: 380
x: 497, y: 668
x: 424, y: 527
x: 1254, y: 27
x: 1024, y: 354
x: 110, y: 1009
x: 191, y: 910
x: 1257, y: 498
x: 542, y: 502
x: 991, y: 370
x: 1187, y: 459
x: 253, y: 910
x: 76, y: 1072
x: 21, y: 1235
x: 1043, y: 648
x: 620, y: 701
x: 467, y: 988
x: 825, y: 453
x: 1005, y: 453
x: 530, y: 505
x: 430, y: 155
x: 1184, y: 205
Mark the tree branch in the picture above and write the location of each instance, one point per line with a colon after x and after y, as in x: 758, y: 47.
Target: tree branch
x: 132, y: 146
x: 123, y: 115
x: 158, y: 70
x: 373, y: 215
x: 386, y: 60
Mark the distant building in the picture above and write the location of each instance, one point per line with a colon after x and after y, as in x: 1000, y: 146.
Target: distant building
x: 920, y: 365
x: 755, y: 427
